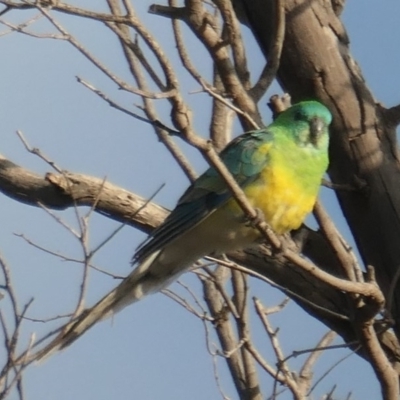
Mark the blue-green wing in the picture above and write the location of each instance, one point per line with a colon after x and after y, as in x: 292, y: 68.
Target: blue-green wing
x: 209, y: 191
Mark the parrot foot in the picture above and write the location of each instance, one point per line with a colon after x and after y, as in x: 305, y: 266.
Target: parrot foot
x: 287, y: 243
x: 256, y: 220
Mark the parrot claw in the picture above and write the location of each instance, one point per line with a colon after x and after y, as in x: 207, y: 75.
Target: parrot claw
x: 256, y: 220
x: 287, y: 243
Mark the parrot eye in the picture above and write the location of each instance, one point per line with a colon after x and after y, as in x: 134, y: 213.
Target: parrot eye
x: 299, y: 116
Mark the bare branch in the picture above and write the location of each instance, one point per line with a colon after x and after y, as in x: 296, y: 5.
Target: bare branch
x: 240, y: 289
x: 67, y: 9
x: 383, y: 368
x: 221, y: 119
x: 134, y: 59
x: 282, y: 365
x: 203, y: 25
x: 269, y: 72
x: 342, y: 250
x: 62, y: 191
x: 306, y: 373
x: 224, y: 331
x: 118, y: 107
x: 328, y: 371
x: 234, y: 37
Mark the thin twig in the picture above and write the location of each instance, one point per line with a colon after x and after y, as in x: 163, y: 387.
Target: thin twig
x: 231, y: 264
x: 37, y: 152
x: 305, y: 373
x: 282, y: 365
x: 118, y: 107
x: 328, y: 371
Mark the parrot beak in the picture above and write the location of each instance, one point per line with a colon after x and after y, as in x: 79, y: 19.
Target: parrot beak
x: 317, y: 126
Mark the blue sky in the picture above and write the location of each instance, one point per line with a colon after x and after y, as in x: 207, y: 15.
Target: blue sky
x: 155, y: 349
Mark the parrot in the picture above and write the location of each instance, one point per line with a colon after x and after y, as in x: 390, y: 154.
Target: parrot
x: 279, y: 168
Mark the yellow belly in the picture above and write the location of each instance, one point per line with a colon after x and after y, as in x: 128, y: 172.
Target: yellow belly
x: 283, y: 201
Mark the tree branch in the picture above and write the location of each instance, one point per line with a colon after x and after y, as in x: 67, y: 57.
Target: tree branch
x: 61, y: 191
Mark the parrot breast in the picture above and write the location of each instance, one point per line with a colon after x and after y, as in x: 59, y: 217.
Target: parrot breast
x: 284, y: 195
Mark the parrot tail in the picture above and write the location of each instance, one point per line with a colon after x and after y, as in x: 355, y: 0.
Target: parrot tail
x: 134, y: 287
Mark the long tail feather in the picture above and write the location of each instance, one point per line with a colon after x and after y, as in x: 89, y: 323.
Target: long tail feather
x: 133, y: 288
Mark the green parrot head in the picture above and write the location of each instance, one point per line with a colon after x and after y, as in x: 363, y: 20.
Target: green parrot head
x: 308, y: 123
